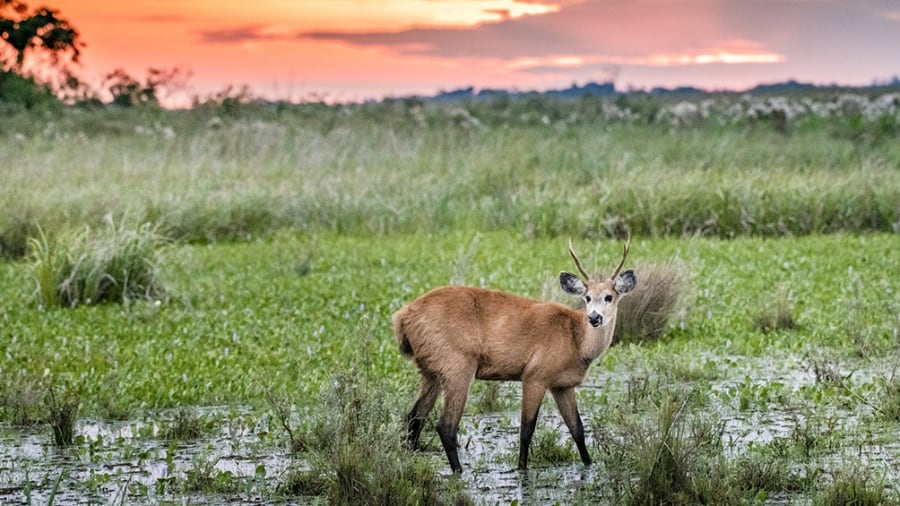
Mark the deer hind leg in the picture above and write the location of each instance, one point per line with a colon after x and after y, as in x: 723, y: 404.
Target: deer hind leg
x: 568, y: 408
x: 456, y: 391
x: 532, y: 396
x: 415, y: 420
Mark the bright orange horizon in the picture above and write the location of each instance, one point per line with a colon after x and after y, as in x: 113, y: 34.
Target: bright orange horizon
x: 363, y: 49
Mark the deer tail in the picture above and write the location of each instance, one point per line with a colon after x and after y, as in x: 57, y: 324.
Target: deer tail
x: 399, y: 322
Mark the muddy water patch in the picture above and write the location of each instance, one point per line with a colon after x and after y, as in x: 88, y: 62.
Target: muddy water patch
x: 776, y: 405
x: 132, y: 461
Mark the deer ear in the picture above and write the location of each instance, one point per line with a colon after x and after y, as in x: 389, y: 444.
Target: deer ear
x: 625, y: 282
x: 571, y: 284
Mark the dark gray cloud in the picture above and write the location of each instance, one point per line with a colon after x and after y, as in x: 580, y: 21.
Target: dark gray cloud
x: 599, y: 30
x: 588, y: 28
x: 859, y: 39
x: 239, y: 34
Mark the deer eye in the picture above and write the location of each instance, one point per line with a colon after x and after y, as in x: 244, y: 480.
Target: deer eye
x: 587, y: 299
x: 608, y: 299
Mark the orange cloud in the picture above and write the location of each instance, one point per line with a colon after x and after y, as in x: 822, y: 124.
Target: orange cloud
x: 367, y: 48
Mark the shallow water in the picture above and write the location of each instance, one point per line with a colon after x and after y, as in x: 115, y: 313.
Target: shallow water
x: 126, y: 462
x: 129, y: 462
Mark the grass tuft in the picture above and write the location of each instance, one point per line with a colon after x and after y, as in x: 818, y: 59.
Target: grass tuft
x: 14, y: 236
x: 361, y: 446
x: 63, y: 415
x: 549, y: 448
x: 113, y: 264
x: 776, y: 315
x: 645, y: 314
x: 889, y: 407
x: 356, y: 455
x: 657, y: 463
x: 22, y: 399
x: 205, y: 478
x: 854, y: 487
x: 186, y: 425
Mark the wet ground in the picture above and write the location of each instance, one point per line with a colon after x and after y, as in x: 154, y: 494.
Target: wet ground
x: 130, y: 462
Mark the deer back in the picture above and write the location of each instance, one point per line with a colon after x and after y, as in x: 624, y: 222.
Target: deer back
x: 504, y: 335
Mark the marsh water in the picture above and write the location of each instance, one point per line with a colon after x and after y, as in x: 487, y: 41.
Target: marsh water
x: 129, y: 462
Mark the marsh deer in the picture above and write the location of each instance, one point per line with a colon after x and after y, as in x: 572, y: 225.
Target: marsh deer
x: 456, y: 334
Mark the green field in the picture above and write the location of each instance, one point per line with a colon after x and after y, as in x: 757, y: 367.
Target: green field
x: 288, y: 237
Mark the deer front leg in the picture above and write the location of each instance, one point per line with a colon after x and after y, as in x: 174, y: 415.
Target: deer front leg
x: 568, y: 408
x: 532, y: 395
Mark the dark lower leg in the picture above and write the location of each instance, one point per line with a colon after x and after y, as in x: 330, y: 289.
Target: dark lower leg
x: 578, y: 436
x: 415, y: 420
x: 448, y: 439
x: 526, y: 432
x: 414, y: 424
x: 568, y: 408
x: 532, y: 395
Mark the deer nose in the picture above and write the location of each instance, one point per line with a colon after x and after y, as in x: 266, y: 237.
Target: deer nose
x: 595, y: 319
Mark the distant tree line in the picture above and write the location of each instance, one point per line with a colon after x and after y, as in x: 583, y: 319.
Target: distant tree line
x: 37, y: 47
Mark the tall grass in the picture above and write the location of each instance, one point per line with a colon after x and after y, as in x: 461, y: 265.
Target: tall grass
x: 659, y: 462
x: 113, y: 264
x: 354, y: 450
x: 63, y: 414
x: 379, y: 170
x: 852, y: 486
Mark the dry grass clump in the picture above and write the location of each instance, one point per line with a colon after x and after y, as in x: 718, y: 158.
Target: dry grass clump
x: 645, y: 314
x: 779, y: 315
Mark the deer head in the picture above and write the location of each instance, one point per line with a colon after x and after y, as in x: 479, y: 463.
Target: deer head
x: 601, y: 296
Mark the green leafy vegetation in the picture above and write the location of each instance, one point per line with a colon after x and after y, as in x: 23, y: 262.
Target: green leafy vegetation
x: 301, y: 321
x: 253, y: 256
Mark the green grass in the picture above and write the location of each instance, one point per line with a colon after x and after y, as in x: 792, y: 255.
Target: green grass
x: 277, y: 317
x: 278, y: 244
x: 361, y: 170
x: 113, y: 264
x: 241, y: 317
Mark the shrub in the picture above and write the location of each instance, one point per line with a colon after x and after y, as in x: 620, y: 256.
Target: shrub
x: 14, y: 236
x: 24, y: 92
x: 115, y: 264
x: 645, y: 314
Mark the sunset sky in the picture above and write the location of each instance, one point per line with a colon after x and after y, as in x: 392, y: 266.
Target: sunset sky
x: 359, y: 49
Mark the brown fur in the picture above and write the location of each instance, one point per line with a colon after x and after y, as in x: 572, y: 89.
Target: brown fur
x: 456, y: 334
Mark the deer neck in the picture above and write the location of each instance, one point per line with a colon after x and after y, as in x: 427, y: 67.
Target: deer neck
x: 596, y: 341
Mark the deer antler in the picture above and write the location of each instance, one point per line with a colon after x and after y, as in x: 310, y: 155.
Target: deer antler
x: 578, y: 262
x: 624, y: 256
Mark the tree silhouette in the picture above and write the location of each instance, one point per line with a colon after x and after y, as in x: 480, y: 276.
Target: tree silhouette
x: 42, y: 30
